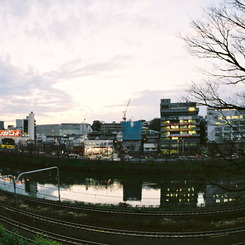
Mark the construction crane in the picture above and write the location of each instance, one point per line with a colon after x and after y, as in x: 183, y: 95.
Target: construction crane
x: 125, y: 111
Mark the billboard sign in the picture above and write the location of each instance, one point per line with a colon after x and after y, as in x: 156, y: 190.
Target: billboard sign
x: 10, y: 133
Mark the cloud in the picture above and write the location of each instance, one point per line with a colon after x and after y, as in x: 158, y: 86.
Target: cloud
x: 22, y: 92
x: 86, y: 58
x: 76, y: 68
x: 145, y: 104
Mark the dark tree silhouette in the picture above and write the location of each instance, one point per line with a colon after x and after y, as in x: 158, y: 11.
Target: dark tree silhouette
x: 220, y: 37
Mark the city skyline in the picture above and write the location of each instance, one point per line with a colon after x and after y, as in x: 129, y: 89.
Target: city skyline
x: 76, y: 61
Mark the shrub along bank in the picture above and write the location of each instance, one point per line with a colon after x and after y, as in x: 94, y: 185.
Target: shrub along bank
x: 13, y: 238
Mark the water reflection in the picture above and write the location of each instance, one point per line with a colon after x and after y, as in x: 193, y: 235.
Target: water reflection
x: 163, y: 191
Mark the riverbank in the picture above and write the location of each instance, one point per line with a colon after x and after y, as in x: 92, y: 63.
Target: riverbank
x: 155, y: 166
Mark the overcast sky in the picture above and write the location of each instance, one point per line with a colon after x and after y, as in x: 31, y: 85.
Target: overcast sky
x: 82, y: 60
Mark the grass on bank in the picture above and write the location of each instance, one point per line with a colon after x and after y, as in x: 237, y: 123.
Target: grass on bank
x: 13, y: 238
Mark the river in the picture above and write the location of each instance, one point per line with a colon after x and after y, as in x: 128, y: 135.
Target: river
x: 165, y: 191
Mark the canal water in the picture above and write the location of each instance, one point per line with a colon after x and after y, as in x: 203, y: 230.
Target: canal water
x: 168, y: 191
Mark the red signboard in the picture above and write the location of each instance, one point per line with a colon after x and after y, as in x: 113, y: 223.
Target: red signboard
x: 10, y: 133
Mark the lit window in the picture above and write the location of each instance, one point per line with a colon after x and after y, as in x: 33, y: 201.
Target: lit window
x: 191, y: 109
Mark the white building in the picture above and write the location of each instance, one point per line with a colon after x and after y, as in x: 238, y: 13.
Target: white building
x: 31, y: 126
x: 225, y: 125
x: 27, y: 126
x: 63, y: 129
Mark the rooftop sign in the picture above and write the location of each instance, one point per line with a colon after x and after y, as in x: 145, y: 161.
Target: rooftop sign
x: 10, y: 133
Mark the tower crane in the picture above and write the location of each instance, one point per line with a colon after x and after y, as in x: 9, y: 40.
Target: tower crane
x: 125, y: 111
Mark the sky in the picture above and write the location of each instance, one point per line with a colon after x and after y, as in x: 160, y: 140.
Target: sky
x: 83, y: 60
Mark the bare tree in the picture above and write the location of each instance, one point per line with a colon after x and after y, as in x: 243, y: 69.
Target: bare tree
x: 220, y: 37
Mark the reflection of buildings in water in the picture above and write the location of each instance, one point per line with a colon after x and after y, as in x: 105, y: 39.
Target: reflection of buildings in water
x: 96, y: 182
x: 219, y: 194
x: 176, y: 193
x: 31, y: 187
x: 200, y: 199
x: 132, y: 191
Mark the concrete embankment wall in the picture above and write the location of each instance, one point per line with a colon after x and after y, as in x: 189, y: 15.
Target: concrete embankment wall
x: 140, y: 166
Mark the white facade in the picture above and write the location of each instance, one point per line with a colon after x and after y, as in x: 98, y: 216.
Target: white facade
x: 27, y: 126
x: 150, y: 147
x: 31, y: 126
x: 64, y: 129
x: 225, y: 124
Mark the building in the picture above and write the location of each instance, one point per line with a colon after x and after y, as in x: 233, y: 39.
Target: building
x: 31, y: 126
x: 27, y: 126
x: 150, y: 142
x: 63, y: 129
x: 180, y: 128
x: 20, y: 135
x: 226, y: 127
x: 1, y: 125
x: 132, y: 137
x: 225, y: 124
x: 98, y: 149
x: 111, y: 127
x: 50, y: 130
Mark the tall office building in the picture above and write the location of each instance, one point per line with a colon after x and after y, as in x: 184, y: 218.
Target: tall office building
x: 31, y: 126
x: 27, y: 126
x: 180, y: 128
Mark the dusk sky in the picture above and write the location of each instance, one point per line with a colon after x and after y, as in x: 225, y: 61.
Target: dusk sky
x: 82, y: 60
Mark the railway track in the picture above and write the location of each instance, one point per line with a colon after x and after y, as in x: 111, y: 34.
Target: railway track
x: 75, y: 227
x: 33, y: 231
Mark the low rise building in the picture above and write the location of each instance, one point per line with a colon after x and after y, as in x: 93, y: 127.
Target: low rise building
x: 132, y: 137
x: 63, y: 129
x: 98, y: 149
